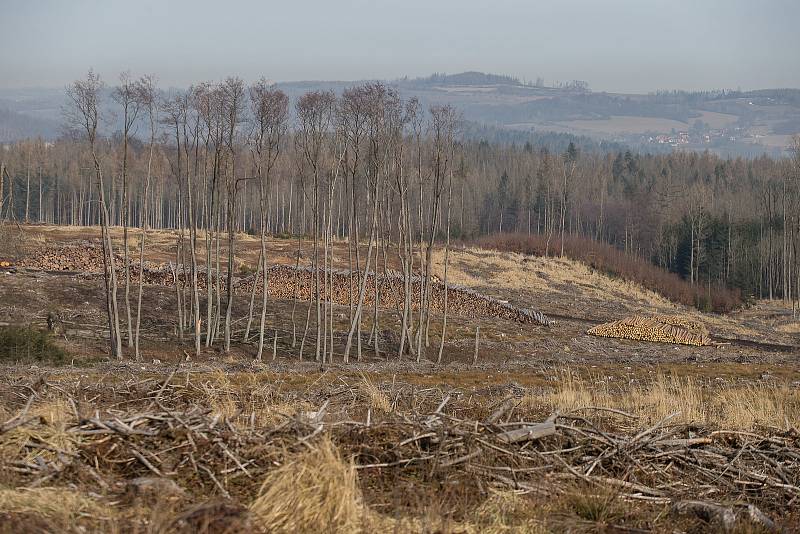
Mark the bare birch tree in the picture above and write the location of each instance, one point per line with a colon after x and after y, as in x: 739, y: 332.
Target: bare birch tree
x: 315, y: 115
x: 125, y: 96
x: 270, y: 112
x: 146, y: 97
x: 84, y: 114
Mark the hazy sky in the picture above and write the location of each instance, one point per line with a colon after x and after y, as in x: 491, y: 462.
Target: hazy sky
x: 615, y: 45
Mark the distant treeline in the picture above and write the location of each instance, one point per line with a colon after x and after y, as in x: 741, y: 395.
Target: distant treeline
x: 694, y: 98
x: 463, y: 78
x: 552, y: 141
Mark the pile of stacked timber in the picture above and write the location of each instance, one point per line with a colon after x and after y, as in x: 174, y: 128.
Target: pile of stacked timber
x: 660, y: 329
x: 287, y: 282
x: 165, y: 274
x: 88, y: 259
x: 78, y: 258
x: 692, y: 325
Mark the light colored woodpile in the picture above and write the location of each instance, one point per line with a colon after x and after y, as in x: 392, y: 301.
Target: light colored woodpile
x: 660, y: 329
x: 682, y: 321
x: 163, y: 274
x: 286, y: 282
x: 79, y: 258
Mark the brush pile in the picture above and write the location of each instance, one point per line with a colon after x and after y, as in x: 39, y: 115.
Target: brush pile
x: 162, y: 435
x: 659, y: 329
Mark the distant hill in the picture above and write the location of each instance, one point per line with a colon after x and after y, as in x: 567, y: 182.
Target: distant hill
x: 15, y: 126
x: 727, y: 122
x: 30, y: 113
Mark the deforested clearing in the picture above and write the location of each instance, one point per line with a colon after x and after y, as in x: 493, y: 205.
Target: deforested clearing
x: 523, y: 438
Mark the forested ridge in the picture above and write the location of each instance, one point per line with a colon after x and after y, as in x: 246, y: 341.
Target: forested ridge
x: 377, y: 170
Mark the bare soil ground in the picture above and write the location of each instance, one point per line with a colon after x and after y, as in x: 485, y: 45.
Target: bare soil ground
x: 177, y: 444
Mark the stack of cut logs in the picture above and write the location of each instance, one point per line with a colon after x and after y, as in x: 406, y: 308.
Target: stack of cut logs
x: 164, y: 274
x: 692, y: 325
x: 286, y: 282
x: 79, y: 258
x: 661, y: 329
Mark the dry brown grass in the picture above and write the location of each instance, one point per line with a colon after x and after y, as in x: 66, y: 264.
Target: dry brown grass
x: 319, y: 489
x: 736, y: 407
x: 753, y: 405
x: 221, y: 395
x: 377, y: 400
x: 512, y: 271
x: 791, y: 328
x: 506, y: 512
x: 312, y: 489
x: 50, y: 437
x: 249, y: 398
x: 60, y: 506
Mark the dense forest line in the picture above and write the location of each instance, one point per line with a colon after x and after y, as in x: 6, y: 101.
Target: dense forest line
x: 381, y: 172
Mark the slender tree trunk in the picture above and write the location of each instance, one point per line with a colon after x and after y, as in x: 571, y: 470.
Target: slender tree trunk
x: 264, y: 290
x: 2, y: 192
x: 109, y: 266
x: 446, y: 262
x: 362, y: 290
x: 144, y: 222
x: 246, y: 336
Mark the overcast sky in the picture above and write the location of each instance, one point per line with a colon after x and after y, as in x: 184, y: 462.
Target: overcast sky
x: 615, y: 45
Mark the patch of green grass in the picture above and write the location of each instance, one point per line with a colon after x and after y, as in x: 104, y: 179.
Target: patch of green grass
x: 20, y: 344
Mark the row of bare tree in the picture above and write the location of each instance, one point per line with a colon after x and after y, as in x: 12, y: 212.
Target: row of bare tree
x: 220, y: 140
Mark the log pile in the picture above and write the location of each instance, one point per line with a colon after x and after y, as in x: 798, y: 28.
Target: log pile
x: 165, y: 274
x: 72, y: 258
x: 287, y: 282
x: 87, y: 259
x: 692, y: 325
x: 659, y: 329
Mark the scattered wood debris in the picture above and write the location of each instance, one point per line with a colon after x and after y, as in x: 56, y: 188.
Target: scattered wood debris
x: 156, y: 434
